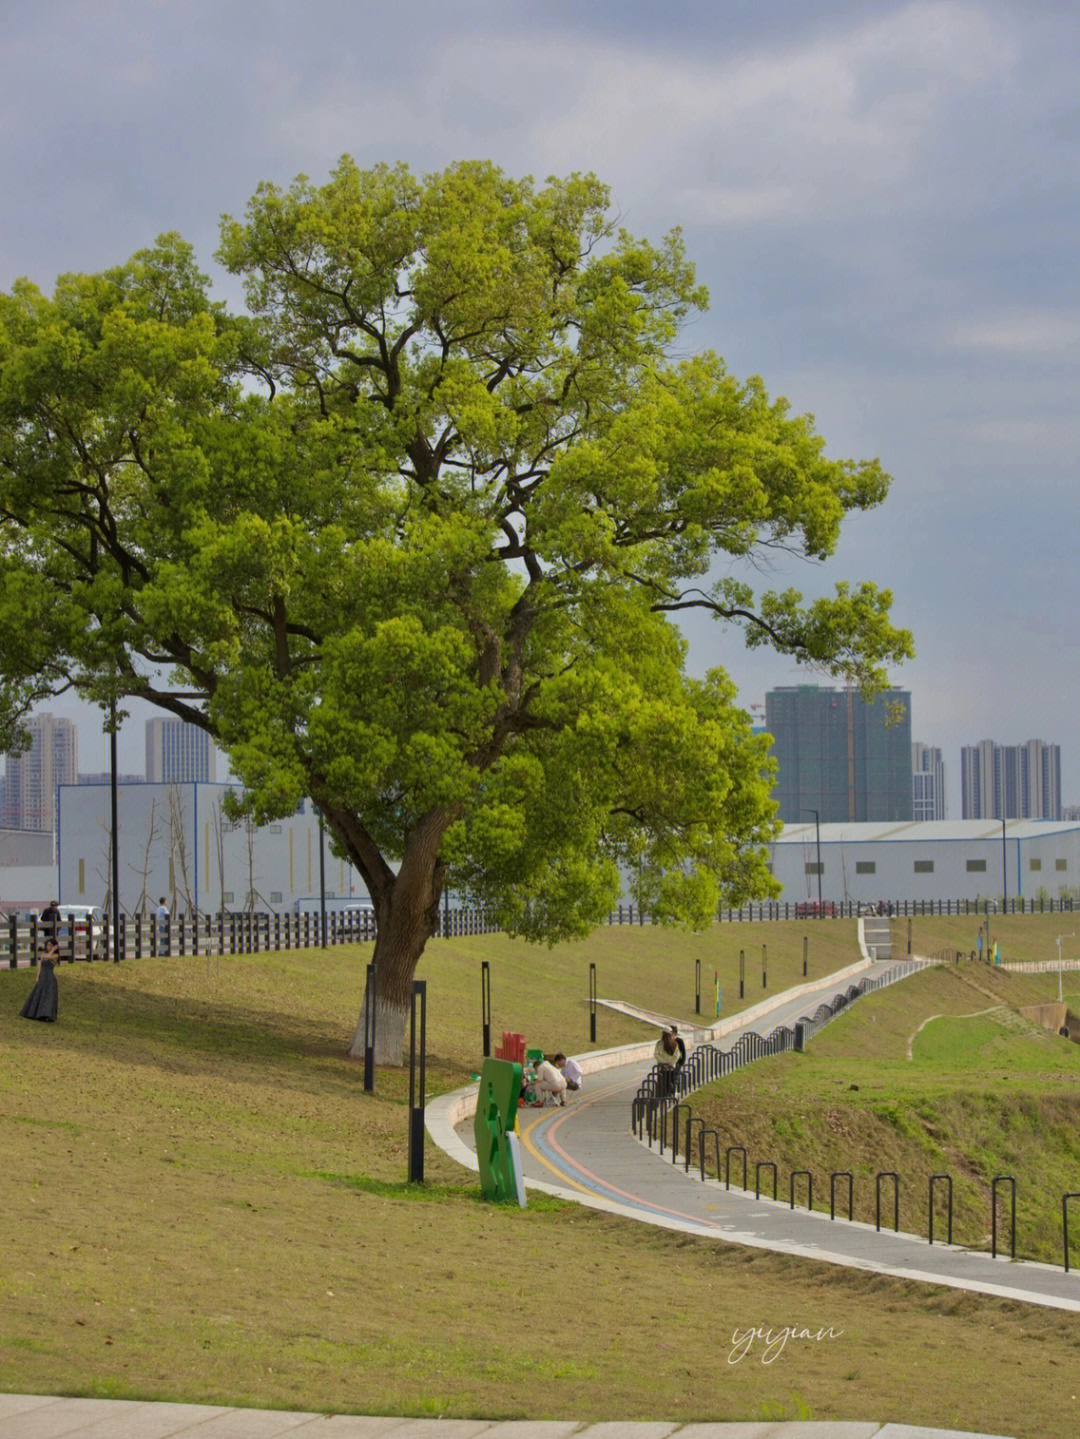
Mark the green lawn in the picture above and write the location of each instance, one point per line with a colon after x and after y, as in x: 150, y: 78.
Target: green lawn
x: 202, y: 1205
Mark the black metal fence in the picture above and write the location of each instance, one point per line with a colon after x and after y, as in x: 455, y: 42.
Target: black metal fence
x: 852, y: 909
x: 146, y: 936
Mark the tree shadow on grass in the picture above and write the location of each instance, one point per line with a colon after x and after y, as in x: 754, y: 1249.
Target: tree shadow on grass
x: 145, y: 1026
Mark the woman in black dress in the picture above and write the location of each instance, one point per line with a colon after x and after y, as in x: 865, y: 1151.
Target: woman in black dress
x: 41, y: 1001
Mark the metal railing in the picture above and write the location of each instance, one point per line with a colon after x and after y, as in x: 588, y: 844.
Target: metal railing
x: 148, y: 937
x: 852, y: 909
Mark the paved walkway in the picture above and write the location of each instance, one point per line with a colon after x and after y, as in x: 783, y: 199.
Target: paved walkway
x: 587, y: 1151
x: 32, y: 1416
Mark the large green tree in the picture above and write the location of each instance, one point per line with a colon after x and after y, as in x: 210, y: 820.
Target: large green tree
x: 408, y: 535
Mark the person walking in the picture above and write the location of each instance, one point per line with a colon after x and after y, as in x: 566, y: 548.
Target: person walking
x: 49, y: 922
x: 41, y: 1001
x: 666, y: 1055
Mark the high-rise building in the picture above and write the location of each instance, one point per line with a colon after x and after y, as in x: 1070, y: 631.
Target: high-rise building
x: 847, y: 758
x: 1011, y: 781
x: 179, y: 753
x: 31, y: 778
x: 928, y: 783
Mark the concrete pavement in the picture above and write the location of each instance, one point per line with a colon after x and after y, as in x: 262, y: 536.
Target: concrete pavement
x: 35, y: 1416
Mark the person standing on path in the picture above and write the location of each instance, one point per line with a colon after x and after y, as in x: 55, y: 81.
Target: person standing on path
x: 665, y: 1055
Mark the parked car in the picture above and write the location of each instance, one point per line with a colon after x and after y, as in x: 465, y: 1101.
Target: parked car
x: 815, y: 909
x: 81, y: 931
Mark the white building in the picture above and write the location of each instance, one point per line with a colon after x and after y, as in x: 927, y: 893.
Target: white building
x: 928, y: 783
x: 950, y: 859
x: 32, y: 778
x: 1011, y: 781
x: 179, y: 753
x: 175, y: 840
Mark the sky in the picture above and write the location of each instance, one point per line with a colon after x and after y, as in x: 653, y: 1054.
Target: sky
x: 882, y: 199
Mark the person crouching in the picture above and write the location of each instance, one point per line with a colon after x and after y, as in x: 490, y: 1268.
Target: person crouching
x: 549, y: 1083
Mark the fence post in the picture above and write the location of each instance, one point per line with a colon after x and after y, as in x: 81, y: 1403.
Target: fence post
x: 1002, y: 1179
x: 1065, y: 1224
x: 948, y: 1180
x: 733, y: 1149
x: 797, y: 1173
x: 888, y: 1174
x: 841, y: 1174
x: 758, y: 1167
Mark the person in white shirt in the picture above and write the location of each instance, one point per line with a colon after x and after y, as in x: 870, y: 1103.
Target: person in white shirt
x: 549, y: 1083
x: 570, y: 1070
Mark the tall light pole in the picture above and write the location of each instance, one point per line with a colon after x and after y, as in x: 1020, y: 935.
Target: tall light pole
x: 817, y: 841
x: 1004, y: 871
x: 1059, y: 939
x: 115, y: 845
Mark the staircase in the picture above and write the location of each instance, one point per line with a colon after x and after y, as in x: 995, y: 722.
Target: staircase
x: 876, y: 935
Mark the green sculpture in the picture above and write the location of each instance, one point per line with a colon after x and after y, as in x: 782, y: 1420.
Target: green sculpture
x: 496, y: 1147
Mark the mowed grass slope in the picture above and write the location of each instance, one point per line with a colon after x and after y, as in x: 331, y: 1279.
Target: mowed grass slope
x: 940, y: 1074
x: 201, y: 1204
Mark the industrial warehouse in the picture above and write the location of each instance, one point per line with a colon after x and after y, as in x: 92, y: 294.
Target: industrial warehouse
x: 939, y: 860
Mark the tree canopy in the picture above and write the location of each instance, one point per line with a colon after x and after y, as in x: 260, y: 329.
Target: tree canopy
x: 408, y: 535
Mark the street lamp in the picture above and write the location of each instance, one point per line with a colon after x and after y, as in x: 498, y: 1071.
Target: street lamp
x: 1004, y: 871
x: 1059, y: 939
x: 817, y: 840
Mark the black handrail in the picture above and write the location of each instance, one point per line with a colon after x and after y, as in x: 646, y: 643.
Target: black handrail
x: 795, y: 1173
x: 933, y: 1180
x: 1002, y: 1179
x: 675, y: 1129
x: 1065, y: 1223
x: 689, y: 1133
x: 758, y: 1167
x: 889, y: 1174
x: 701, y: 1141
x: 734, y: 1149
x: 842, y: 1174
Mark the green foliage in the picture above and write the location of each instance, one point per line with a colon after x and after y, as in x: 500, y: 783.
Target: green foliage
x: 407, y: 536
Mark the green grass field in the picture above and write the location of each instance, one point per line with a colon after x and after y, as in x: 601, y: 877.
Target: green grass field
x: 937, y: 1075
x: 202, y: 1205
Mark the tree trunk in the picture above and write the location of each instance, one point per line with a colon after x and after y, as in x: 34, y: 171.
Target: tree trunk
x: 406, y: 916
x: 395, y: 966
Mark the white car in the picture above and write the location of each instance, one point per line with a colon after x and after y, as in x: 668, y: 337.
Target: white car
x: 81, y: 931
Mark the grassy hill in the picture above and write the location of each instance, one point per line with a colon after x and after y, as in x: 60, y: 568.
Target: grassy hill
x: 202, y: 1205
x: 939, y: 1074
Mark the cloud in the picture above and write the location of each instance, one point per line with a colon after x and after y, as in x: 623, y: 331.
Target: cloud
x: 1020, y: 333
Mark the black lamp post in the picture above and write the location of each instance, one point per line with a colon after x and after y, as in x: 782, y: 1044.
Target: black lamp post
x: 817, y: 840
x: 115, y: 841
x: 1004, y: 871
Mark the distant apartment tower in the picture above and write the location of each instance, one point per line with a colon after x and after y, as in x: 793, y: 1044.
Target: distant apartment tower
x: 1011, y: 781
x: 846, y: 758
x: 179, y: 753
x: 927, y: 783
x: 31, y: 778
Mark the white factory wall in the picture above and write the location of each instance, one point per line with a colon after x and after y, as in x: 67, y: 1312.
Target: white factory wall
x: 176, y: 841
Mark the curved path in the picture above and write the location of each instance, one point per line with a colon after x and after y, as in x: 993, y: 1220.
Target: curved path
x: 587, y: 1152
